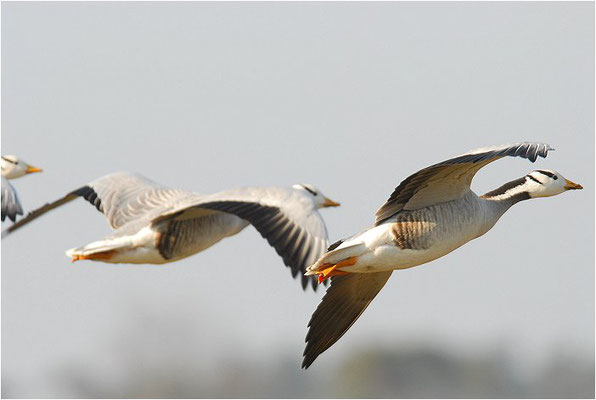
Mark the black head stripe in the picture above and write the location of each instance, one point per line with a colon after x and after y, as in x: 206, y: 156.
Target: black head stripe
x: 547, y: 173
x: 534, y: 179
x: 309, y: 190
x: 10, y: 161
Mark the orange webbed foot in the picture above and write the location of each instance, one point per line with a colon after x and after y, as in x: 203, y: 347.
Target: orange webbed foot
x: 333, y: 271
x: 104, y: 255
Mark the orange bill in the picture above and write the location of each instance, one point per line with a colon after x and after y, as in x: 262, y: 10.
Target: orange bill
x: 572, y: 185
x: 31, y: 168
x: 330, y: 203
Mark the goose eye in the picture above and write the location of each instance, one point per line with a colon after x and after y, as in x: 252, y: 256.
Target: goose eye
x: 555, y: 177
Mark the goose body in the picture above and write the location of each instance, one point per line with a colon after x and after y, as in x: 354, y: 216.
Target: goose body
x: 154, y: 224
x: 430, y: 214
x: 12, y: 168
x: 416, y: 237
x: 140, y: 243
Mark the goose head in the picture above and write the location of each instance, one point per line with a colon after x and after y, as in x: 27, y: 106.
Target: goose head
x: 14, y: 167
x: 545, y: 183
x: 317, y: 197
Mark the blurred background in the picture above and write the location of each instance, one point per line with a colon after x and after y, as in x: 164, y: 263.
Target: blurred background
x: 352, y: 97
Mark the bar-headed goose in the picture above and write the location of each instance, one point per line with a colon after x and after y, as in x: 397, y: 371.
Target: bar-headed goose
x: 430, y: 214
x: 155, y: 224
x: 12, y: 168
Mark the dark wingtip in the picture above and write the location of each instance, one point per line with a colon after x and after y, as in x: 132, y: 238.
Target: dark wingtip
x: 287, y: 242
x: 304, y: 282
x: 309, y: 281
x: 308, y: 360
x: 313, y: 284
x: 89, y: 194
x: 534, y: 150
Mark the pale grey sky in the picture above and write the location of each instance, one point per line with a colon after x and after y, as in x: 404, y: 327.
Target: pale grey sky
x: 352, y: 97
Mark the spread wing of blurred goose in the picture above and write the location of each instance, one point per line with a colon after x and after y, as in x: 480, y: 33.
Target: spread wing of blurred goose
x: 12, y: 168
x: 430, y: 214
x: 155, y: 224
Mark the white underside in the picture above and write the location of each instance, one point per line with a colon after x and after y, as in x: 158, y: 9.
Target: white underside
x: 140, y: 248
x: 134, y: 249
x: 376, y: 249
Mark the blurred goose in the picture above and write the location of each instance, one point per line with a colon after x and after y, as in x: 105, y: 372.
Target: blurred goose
x: 155, y: 224
x: 430, y: 214
x: 12, y: 168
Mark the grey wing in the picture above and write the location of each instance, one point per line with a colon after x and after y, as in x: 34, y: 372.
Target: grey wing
x: 11, y: 206
x: 122, y: 197
x: 285, y: 217
x: 450, y: 180
x: 345, y: 300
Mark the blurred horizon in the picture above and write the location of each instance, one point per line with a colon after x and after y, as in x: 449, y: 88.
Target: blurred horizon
x: 136, y: 368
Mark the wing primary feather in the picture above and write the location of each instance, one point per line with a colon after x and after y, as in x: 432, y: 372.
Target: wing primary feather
x: 301, y: 252
x: 291, y: 241
x: 345, y: 300
x: 289, y: 248
x: 11, y: 205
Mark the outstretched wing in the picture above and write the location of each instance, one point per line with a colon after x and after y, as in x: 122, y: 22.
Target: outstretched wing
x: 345, y: 300
x: 286, y: 217
x: 450, y: 180
x: 11, y: 206
x: 122, y: 197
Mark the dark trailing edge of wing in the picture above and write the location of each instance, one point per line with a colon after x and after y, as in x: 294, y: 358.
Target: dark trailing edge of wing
x: 86, y: 192
x: 287, y: 238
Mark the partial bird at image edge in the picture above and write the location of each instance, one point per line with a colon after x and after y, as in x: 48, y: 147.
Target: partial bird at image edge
x: 13, y: 167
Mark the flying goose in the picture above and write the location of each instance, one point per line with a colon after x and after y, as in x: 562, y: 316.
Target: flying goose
x: 154, y: 224
x: 430, y: 214
x: 12, y: 168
